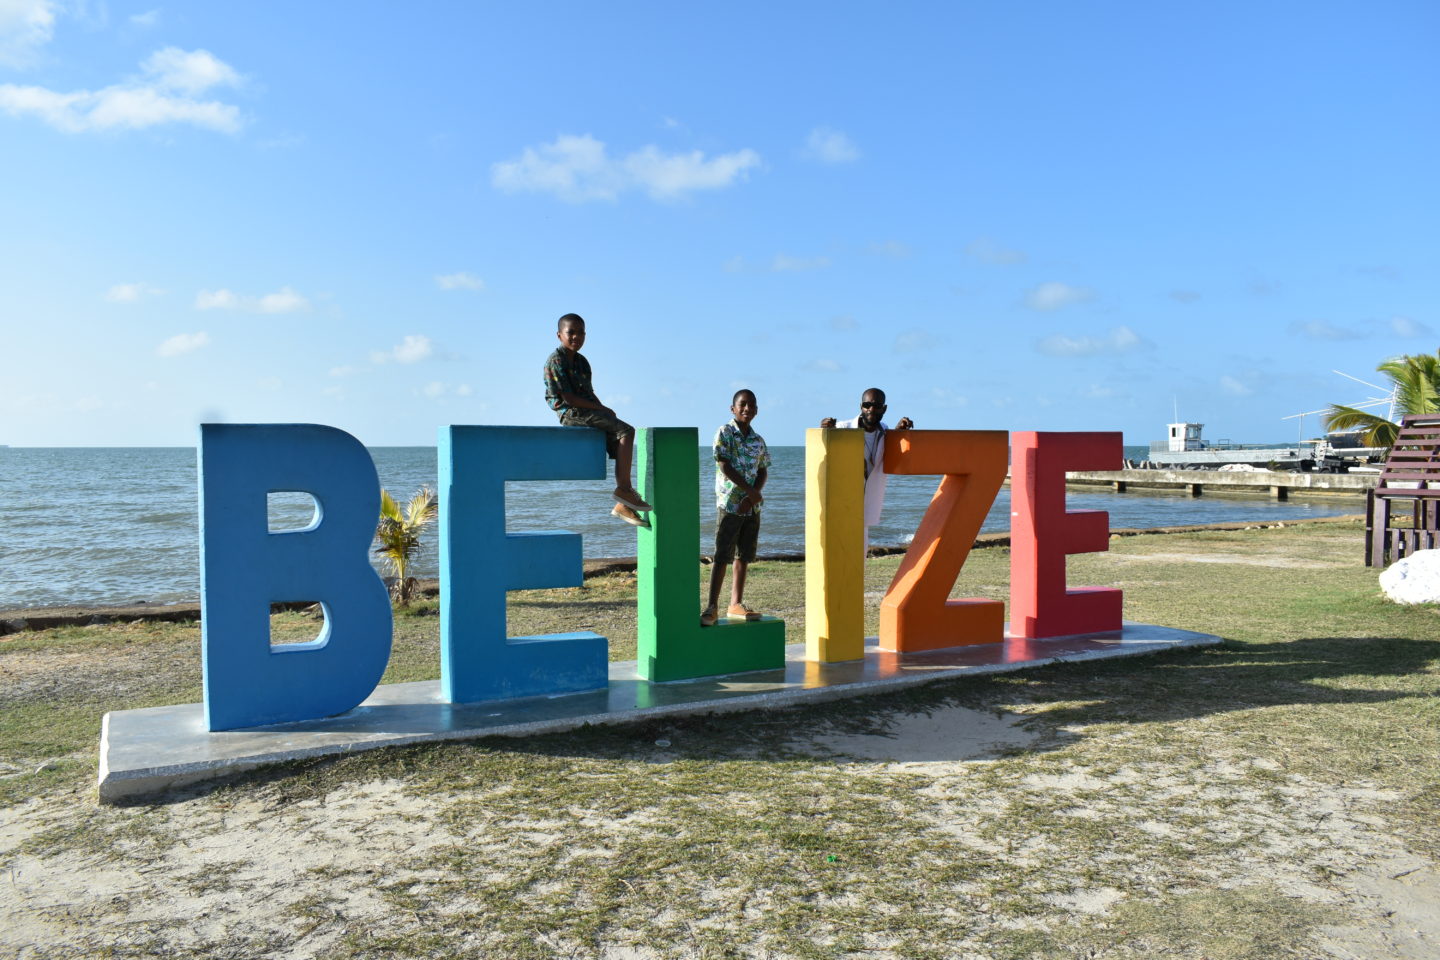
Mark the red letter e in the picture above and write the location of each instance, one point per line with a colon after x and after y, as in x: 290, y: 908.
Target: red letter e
x: 1042, y: 534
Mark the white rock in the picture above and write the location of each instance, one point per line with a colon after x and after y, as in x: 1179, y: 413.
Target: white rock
x: 1414, y: 579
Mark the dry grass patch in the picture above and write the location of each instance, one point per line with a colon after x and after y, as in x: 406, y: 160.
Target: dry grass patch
x: 1272, y: 797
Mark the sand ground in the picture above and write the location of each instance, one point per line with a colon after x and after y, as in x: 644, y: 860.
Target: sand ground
x: 1079, y: 822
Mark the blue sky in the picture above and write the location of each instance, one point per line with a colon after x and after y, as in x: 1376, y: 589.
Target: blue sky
x: 1017, y: 216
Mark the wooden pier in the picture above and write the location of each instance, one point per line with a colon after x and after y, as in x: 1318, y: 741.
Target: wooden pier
x: 1275, y: 484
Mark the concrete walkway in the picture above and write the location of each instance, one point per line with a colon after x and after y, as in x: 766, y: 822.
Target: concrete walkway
x: 146, y: 752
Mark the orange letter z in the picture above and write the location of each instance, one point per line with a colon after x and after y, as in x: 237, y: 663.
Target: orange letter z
x: 917, y: 613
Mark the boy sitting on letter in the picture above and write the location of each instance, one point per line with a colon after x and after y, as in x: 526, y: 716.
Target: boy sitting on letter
x: 568, y: 391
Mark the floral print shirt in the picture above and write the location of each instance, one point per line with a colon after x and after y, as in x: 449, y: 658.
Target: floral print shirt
x: 747, y: 455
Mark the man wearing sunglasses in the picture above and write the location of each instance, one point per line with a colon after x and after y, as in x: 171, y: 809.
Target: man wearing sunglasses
x: 872, y: 412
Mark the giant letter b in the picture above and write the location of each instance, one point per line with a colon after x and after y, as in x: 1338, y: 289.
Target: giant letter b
x: 244, y: 568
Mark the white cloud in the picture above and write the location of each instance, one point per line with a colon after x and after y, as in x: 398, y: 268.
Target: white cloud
x: 94, y: 15
x: 1394, y: 327
x: 668, y: 177
x: 283, y: 142
x: 1405, y: 327
x: 147, y: 19
x: 191, y: 72
x: 578, y: 169
x: 1054, y: 295
x: 216, y: 300
x: 945, y: 397
x: 735, y: 264
x: 343, y: 371
x: 414, y: 348
x: 1118, y: 340
x: 131, y: 292
x: 1122, y: 338
x: 913, y: 341
x: 830, y: 146
x: 784, y: 263
x: 1325, y: 330
x: 25, y: 26
x: 437, y: 390
x: 988, y: 251
x: 890, y: 248
x: 284, y: 300
x: 1232, y: 387
x: 822, y: 365
x: 459, y: 281
x: 572, y: 168
x: 182, y: 343
x: 166, y: 95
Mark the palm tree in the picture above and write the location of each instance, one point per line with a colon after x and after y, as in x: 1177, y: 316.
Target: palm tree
x: 1416, y: 389
x: 398, y: 534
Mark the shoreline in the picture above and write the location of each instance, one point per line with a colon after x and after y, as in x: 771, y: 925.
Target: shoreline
x: 21, y: 619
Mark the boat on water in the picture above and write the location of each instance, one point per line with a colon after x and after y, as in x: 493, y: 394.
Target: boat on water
x: 1185, y: 449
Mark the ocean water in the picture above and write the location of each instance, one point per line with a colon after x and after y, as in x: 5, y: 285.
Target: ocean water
x: 85, y: 525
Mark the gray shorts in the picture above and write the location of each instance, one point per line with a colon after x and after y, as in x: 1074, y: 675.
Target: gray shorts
x: 736, y: 534
x: 613, y: 427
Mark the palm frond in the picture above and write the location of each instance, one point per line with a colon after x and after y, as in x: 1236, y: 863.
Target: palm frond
x: 1415, y: 381
x: 1379, y: 432
x: 423, y: 508
x: 397, y: 535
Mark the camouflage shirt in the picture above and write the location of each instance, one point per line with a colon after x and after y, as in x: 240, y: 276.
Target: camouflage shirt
x: 567, y: 372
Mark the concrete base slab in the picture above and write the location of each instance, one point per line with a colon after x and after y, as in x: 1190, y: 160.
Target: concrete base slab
x: 146, y: 752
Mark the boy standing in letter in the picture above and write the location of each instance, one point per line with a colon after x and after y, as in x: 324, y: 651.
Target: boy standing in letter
x: 568, y: 391
x: 742, y: 463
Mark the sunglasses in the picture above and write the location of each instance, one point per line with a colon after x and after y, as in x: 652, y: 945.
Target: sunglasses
x: 867, y: 404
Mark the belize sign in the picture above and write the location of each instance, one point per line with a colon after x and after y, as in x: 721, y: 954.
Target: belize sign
x: 250, y: 682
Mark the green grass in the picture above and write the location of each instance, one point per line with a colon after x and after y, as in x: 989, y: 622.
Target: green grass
x: 1218, y: 803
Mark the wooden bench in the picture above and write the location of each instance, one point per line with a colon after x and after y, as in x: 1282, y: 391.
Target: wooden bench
x: 1415, y: 463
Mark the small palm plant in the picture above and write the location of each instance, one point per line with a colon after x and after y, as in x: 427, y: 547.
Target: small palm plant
x: 398, y: 537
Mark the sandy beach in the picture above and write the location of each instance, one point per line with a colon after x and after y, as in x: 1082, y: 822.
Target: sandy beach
x: 1271, y: 797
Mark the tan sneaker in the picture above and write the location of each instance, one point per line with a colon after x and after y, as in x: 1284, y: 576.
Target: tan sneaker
x: 708, y: 617
x: 629, y: 516
x: 631, y: 499
x: 738, y: 611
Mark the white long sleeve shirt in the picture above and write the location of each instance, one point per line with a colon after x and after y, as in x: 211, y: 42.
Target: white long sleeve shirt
x: 874, y: 468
